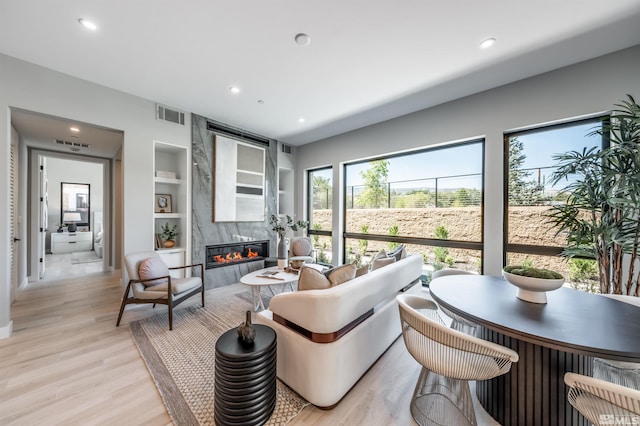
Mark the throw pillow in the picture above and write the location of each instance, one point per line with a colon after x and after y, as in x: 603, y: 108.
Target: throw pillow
x: 362, y: 270
x: 153, y: 267
x: 399, y: 252
x: 341, y: 274
x: 381, y: 255
x: 311, y: 279
x: 379, y: 263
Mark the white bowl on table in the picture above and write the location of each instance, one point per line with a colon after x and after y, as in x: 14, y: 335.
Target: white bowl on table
x: 532, y: 289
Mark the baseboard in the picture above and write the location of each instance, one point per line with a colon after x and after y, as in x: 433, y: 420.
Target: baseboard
x: 5, y: 332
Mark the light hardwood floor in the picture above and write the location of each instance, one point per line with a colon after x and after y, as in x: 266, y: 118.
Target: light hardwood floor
x: 68, y: 364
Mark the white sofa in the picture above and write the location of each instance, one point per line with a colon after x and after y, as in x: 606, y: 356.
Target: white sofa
x: 358, y: 319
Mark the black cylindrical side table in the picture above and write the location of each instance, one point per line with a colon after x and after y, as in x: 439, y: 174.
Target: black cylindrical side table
x: 245, y: 378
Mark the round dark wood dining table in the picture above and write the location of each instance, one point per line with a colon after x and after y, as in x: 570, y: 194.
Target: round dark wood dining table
x: 551, y: 339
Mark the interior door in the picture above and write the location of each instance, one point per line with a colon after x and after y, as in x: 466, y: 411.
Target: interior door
x: 13, y: 219
x: 42, y: 220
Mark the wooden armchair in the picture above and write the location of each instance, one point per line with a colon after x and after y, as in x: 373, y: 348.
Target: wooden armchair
x: 150, y: 282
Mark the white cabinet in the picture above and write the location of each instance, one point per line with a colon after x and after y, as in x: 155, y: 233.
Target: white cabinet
x: 172, y: 203
x: 285, y: 192
x: 70, y: 242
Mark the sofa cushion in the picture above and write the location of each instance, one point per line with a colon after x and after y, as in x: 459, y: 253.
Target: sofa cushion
x: 341, y: 274
x: 379, y: 263
x: 153, y: 267
x: 312, y: 279
x: 362, y: 270
x: 399, y: 252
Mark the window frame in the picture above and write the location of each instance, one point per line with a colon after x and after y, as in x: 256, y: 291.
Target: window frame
x: 310, y: 194
x: 429, y: 242
x: 521, y: 248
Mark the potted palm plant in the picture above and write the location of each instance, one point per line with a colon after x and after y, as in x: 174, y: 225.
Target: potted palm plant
x: 601, y: 215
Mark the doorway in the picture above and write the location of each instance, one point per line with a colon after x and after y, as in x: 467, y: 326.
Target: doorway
x: 71, y: 151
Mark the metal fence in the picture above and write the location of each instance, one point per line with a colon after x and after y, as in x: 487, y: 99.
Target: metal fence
x: 443, y: 191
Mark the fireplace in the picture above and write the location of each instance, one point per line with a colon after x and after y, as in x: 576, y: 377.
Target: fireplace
x: 219, y: 255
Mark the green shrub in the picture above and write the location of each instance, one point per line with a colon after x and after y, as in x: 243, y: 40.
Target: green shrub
x: 394, y: 231
x: 582, y: 270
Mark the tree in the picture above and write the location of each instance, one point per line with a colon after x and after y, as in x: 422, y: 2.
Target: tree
x: 375, y: 177
x: 321, y: 192
x: 522, y: 190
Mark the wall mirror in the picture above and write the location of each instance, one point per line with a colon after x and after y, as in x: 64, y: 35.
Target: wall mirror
x: 75, y: 205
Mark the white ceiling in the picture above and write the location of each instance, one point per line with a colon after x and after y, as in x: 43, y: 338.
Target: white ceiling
x: 368, y: 60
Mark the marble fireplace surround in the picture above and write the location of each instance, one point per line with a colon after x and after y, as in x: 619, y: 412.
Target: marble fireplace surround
x: 206, y: 232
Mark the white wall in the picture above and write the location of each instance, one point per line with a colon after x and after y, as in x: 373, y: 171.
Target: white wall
x: 60, y: 170
x: 583, y: 89
x: 30, y: 87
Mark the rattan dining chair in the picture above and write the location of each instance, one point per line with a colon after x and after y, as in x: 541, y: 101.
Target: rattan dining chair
x: 619, y: 372
x: 457, y: 322
x: 449, y: 359
x: 602, y: 402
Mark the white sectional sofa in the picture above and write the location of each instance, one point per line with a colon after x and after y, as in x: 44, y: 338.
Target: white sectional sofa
x: 327, y: 339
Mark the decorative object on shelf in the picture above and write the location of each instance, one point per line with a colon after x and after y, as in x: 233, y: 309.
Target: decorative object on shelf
x: 281, y: 226
x: 168, y: 235
x: 70, y: 218
x: 532, y: 283
x: 163, y: 203
x: 165, y: 175
x: 60, y: 227
x: 246, y: 331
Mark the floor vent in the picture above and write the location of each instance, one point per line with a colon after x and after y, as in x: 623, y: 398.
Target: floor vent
x: 169, y: 114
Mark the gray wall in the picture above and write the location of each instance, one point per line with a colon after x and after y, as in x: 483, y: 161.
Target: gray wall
x: 576, y: 91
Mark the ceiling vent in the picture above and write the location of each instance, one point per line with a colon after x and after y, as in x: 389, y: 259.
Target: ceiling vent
x: 75, y: 146
x: 169, y: 114
x: 237, y: 133
x: 287, y: 149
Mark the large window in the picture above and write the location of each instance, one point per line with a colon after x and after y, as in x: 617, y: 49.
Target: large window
x: 320, y: 193
x: 529, y: 195
x: 430, y: 200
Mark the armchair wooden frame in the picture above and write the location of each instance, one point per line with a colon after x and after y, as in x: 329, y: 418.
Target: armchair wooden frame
x: 170, y: 300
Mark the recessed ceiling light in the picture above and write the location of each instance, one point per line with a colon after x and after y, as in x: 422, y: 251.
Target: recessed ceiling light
x: 260, y: 101
x: 487, y: 43
x: 234, y: 89
x: 301, y: 120
x: 302, y: 39
x: 88, y: 24
x: 74, y: 129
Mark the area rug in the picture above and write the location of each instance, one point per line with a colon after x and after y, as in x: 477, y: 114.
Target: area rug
x: 182, y: 361
x: 84, y: 257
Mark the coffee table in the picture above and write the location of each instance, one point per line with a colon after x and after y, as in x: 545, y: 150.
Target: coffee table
x: 267, y: 277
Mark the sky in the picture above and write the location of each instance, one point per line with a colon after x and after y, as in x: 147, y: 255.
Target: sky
x: 539, y: 148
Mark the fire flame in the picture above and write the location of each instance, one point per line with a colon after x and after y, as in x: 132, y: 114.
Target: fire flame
x: 235, y: 256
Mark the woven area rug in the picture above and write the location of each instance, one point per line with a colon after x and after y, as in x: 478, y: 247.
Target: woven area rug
x: 182, y: 361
